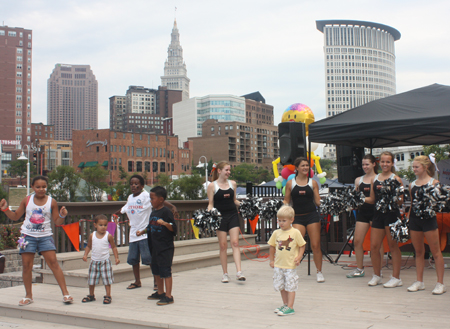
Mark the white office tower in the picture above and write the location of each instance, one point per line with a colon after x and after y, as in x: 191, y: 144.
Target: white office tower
x: 359, y: 65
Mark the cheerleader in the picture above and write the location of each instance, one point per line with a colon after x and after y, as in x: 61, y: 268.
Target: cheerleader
x: 419, y: 227
x: 364, y: 214
x: 222, y: 196
x: 380, y: 226
x: 304, y: 194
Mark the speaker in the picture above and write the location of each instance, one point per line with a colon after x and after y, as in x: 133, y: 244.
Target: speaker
x: 292, y: 139
x: 349, y: 163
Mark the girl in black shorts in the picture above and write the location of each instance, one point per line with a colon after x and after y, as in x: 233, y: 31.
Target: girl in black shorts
x: 364, y: 214
x: 304, y: 194
x: 222, y: 196
x: 420, y: 227
x: 380, y: 227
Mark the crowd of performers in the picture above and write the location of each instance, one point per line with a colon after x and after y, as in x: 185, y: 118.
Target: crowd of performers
x: 378, y: 198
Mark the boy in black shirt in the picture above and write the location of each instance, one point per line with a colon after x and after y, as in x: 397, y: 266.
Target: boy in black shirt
x: 161, y: 231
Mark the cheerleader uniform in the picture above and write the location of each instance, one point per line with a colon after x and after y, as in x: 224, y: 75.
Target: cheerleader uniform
x: 381, y: 220
x: 303, y: 203
x: 365, y: 212
x: 417, y: 223
x: 224, y: 203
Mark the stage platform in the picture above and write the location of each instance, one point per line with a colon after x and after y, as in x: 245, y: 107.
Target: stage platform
x: 202, y: 301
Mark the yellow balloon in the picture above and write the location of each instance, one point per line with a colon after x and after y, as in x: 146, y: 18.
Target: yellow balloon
x: 298, y: 113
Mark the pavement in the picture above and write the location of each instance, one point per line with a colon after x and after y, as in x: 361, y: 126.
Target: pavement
x: 202, y: 301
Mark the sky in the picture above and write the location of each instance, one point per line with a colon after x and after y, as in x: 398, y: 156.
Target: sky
x: 230, y: 47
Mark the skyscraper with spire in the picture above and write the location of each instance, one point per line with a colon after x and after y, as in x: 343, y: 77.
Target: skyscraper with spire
x: 175, y: 73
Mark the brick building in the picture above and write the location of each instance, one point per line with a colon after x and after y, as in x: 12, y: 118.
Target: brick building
x: 15, y: 91
x: 149, y: 153
x: 256, y: 109
x: 41, y: 131
x: 237, y: 143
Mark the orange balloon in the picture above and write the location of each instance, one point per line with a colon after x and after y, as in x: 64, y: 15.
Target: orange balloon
x: 290, y: 167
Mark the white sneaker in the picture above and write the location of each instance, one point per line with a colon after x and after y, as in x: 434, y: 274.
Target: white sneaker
x: 320, y: 277
x: 376, y: 280
x: 393, y: 282
x: 439, y: 289
x: 416, y: 286
x: 356, y: 273
x: 240, y: 276
x: 225, y: 278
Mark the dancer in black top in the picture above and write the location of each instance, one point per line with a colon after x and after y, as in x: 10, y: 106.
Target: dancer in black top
x: 380, y: 226
x: 304, y: 194
x: 222, y: 195
x: 364, y: 214
x: 420, y: 227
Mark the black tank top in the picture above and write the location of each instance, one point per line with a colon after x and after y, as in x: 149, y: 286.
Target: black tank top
x: 224, y: 199
x: 414, y: 188
x: 377, y: 187
x: 302, y: 197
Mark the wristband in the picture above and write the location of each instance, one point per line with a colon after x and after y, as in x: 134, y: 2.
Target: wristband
x: 5, y: 210
x: 61, y: 216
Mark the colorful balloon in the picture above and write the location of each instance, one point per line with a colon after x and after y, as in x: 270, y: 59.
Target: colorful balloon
x: 283, y: 183
x: 279, y: 185
x: 291, y: 177
x: 283, y: 190
x: 322, y: 180
x: 285, y: 173
x: 298, y: 113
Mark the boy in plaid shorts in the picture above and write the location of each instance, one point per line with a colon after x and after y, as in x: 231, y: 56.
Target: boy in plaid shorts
x: 286, y: 250
x: 100, y: 265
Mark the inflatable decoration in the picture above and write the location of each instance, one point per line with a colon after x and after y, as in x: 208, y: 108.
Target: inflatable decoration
x: 298, y: 113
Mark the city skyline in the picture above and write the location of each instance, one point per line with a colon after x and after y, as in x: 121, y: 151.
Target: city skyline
x: 276, y: 50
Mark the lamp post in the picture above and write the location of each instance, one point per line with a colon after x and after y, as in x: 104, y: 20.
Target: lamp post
x: 23, y: 157
x: 205, y: 164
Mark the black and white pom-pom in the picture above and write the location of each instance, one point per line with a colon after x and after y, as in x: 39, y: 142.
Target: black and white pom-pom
x: 207, y: 219
x: 270, y: 208
x: 352, y: 198
x: 250, y: 207
x: 332, y: 204
x: 430, y: 199
x: 399, y: 230
x: 390, y: 193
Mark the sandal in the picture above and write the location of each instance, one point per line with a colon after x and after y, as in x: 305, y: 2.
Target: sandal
x: 25, y: 301
x: 107, y: 299
x: 67, y: 299
x: 133, y: 286
x: 88, y: 298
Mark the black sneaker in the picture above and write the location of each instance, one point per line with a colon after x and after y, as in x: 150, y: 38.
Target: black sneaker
x: 165, y: 301
x: 157, y: 296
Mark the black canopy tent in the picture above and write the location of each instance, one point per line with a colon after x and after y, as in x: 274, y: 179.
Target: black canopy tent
x: 416, y: 117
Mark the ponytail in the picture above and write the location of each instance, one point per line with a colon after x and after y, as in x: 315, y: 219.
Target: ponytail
x: 216, y: 167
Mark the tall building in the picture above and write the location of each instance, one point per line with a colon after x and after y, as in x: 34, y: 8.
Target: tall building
x: 175, y: 74
x: 143, y: 110
x: 189, y: 114
x: 360, y: 65
x: 15, y: 91
x: 72, y: 100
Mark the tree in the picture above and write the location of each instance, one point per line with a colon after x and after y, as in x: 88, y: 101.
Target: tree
x: 63, y: 182
x: 190, y: 187
x: 95, y: 182
x: 441, y: 153
x: 19, y: 168
x: 327, y: 164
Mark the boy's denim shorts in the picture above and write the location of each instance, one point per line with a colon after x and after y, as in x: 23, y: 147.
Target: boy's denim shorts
x: 139, y: 250
x: 39, y: 245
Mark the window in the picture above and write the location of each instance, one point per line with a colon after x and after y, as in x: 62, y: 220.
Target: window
x: 155, y: 166
x: 162, y: 167
x: 11, y: 34
x: 139, y: 166
x: 147, y: 166
x: 138, y: 152
x: 130, y: 166
x: 128, y: 150
x: 19, y: 58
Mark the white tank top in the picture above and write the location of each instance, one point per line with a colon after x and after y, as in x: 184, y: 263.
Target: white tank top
x: 100, y: 247
x: 38, y: 219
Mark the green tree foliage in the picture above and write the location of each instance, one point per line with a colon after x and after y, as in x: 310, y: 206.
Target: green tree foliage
x: 407, y: 174
x: 95, y: 182
x: 248, y: 173
x: 438, y: 151
x: 63, y: 182
x: 19, y: 168
x: 188, y: 188
x: 327, y: 164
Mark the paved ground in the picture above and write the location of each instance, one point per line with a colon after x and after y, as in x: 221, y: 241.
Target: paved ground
x: 202, y: 301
